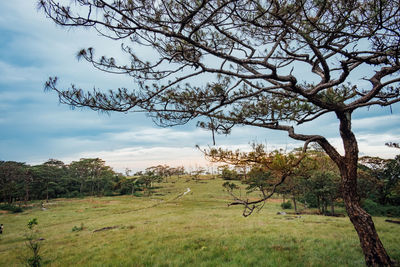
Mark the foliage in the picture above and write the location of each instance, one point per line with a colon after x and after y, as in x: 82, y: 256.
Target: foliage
x: 86, y: 177
x: 195, y: 174
x: 14, y: 181
x: 325, y: 187
x: 10, y: 207
x: 381, y: 180
x: 33, y: 244
x: 286, y: 205
x: 259, y: 178
x: 78, y: 228
x: 376, y: 209
x: 230, y: 186
x: 228, y: 174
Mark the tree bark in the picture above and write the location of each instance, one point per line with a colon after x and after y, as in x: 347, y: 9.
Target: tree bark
x: 294, y: 204
x: 47, y: 192
x: 374, y: 252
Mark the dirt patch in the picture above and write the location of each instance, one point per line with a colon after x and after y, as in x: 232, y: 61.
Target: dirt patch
x: 275, y: 200
x: 4, y: 211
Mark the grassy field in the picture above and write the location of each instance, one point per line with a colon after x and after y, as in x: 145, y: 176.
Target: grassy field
x: 197, y: 229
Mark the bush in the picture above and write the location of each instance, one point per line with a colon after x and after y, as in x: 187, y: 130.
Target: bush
x: 375, y: 209
x: 77, y: 229
x: 286, y: 205
x: 228, y: 174
x: 33, y: 244
x: 137, y: 194
x: 372, y: 207
x: 393, y: 211
x: 10, y: 207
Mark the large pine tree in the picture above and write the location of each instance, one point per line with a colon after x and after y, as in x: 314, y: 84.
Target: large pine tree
x: 277, y: 64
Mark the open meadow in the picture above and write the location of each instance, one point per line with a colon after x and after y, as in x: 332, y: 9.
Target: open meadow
x: 197, y: 229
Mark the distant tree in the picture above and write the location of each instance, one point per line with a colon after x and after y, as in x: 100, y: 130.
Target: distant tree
x: 197, y: 172
x: 228, y: 174
x: 383, y: 175
x: 178, y: 171
x: 163, y: 171
x: 147, y: 179
x: 47, y: 179
x: 277, y: 63
x: 14, y: 181
x: 325, y: 187
x: 128, y: 186
x: 392, y: 181
x: 93, y: 175
x: 128, y: 172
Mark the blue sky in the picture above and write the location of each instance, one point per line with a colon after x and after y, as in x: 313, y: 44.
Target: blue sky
x: 34, y: 127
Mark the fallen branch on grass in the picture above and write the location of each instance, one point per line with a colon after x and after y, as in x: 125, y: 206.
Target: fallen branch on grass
x: 105, y: 228
x: 392, y: 221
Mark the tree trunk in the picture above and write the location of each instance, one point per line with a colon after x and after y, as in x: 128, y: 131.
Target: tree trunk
x: 374, y: 252
x: 332, y: 206
x: 81, y: 188
x: 294, y: 204
x: 26, y: 198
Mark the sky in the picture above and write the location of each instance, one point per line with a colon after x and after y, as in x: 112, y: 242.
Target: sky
x: 34, y: 127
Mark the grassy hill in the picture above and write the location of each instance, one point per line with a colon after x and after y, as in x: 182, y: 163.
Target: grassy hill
x: 197, y: 229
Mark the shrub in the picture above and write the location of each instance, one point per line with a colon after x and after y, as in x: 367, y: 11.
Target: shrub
x: 33, y: 244
x: 137, y: 194
x: 228, y: 174
x: 375, y: 209
x: 372, y: 207
x: 77, y: 229
x: 392, y: 211
x: 286, y: 205
x: 10, y: 207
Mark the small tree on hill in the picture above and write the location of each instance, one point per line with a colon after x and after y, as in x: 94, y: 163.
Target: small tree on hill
x: 228, y: 174
x: 277, y: 63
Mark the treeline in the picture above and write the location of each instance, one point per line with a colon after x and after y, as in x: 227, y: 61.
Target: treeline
x: 315, y: 182
x: 86, y: 177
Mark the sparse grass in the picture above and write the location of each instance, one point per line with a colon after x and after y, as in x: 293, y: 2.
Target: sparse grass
x: 195, y: 230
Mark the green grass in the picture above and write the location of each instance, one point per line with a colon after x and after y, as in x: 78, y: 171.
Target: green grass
x: 195, y: 230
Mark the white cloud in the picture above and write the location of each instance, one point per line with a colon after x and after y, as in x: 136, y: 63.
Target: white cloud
x: 12, y: 74
x: 376, y: 122
x: 157, y: 135
x: 139, y: 158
